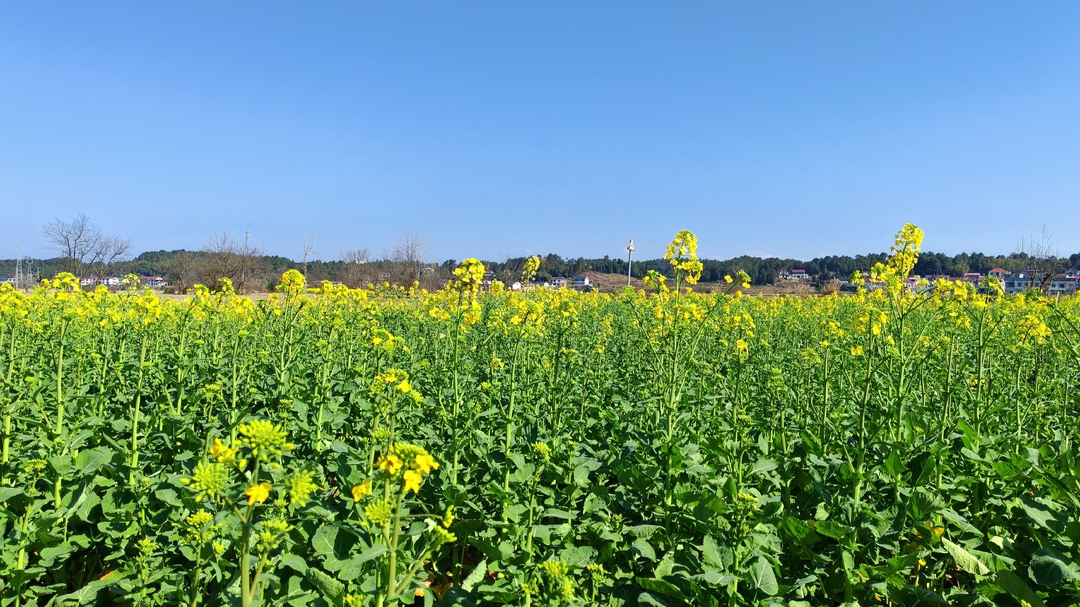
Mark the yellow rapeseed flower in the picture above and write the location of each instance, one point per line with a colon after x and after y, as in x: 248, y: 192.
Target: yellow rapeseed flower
x: 412, y: 481
x: 390, y: 463
x: 359, y: 491
x: 258, y: 493
x: 424, y: 464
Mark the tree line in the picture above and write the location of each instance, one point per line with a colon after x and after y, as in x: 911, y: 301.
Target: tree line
x: 84, y: 248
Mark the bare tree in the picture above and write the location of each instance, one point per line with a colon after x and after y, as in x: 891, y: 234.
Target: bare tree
x: 107, y: 251
x: 356, y: 263
x: 308, y: 245
x: 224, y: 257
x: 183, y: 270
x: 74, y: 240
x: 408, y: 251
x: 1042, y: 258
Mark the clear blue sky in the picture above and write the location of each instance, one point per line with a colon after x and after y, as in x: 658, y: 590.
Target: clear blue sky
x: 500, y: 129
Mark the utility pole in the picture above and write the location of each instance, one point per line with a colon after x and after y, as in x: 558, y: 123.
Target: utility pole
x: 629, y: 258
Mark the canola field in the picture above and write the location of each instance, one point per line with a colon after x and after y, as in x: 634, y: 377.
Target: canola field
x: 387, y: 446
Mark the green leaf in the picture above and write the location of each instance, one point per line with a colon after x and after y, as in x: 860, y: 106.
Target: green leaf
x: 661, y: 586
x: 798, y: 531
x: 352, y: 568
x: 959, y: 521
x: 710, y: 553
x: 762, y: 466
x: 556, y: 513
x: 88, y: 594
x: 294, y: 562
x: 51, y: 554
x: 964, y: 559
x: 643, y: 531
x: 849, y: 561
x: 7, y: 493
x: 832, y: 529
x: 762, y: 576
x: 475, y: 577
x: 648, y: 598
x: 91, y: 460
x: 324, y: 539
x: 168, y: 497
x: 1018, y: 588
x: 61, y: 464
x: 330, y: 589
x: 715, y: 578
x: 578, y: 556
x: 1045, y: 513
x: 1049, y: 568
x: 893, y: 465
x: 644, y: 549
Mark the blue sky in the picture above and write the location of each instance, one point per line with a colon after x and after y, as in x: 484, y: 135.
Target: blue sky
x: 500, y: 129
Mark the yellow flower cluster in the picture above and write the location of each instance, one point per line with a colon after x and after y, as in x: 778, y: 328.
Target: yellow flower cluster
x: 199, y: 528
x: 292, y: 283
x: 469, y: 275
x: 300, y: 485
x: 209, y: 479
x: 532, y: 264
x: 411, y: 462
x: 904, y: 256
x: 264, y: 438
x: 1032, y: 329
x: 655, y: 280
x: 271, y: 533
x: 682, y: 255
x: 397, y: 381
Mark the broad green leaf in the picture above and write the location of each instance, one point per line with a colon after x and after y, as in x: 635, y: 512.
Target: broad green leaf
x: 475, y: 577
x: 330, y: 589
x: 1018, y: 588
x: 90, y: 461
x: 893, y: 465
x: 710, y: 553
x: 959, y: 521
x: 1049, y: 568
x: 324, y: 540
x: 832, y: 529
x: 762, y: 577
x: 169, y: 497
x: 644, y: 549
x: 762, y: 466
x: 353, y: 567
x: 7, y: 493
x: 643, y: 531
x: 1044, y: 513
x: 715, y: 578
x: 294, y: 562
x: 50, y: 555
x: 88, y: 594
x: 661, y: 586
x: 849, y: 561
x: 964, y: 559
x: 61, y: 464
x: 648, y: 598
x: 798, y: 531
x: 556, y: 513
x: 578, y: 556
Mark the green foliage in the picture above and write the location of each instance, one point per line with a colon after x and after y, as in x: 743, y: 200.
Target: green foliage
x: 634, y: 449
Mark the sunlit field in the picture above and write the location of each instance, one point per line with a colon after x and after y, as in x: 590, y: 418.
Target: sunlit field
x: 388, y: 446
